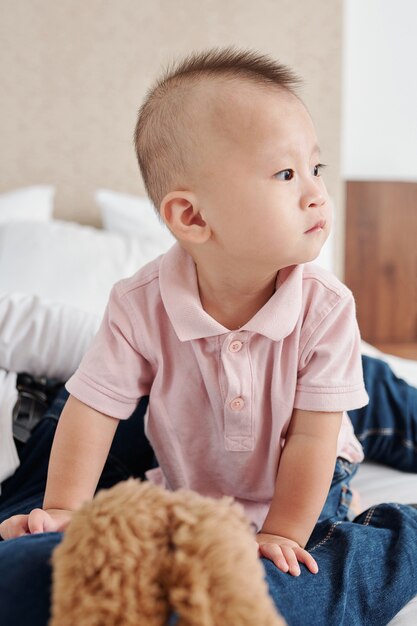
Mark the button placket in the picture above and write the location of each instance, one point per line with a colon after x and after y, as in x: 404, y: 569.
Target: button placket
x: 238, y: 427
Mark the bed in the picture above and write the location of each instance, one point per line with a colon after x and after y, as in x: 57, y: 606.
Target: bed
x: 48, y: 315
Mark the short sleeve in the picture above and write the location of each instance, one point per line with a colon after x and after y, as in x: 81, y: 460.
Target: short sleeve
x: 330, y: 376
x: 113, y: 374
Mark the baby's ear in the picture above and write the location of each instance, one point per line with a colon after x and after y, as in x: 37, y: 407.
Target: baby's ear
x: 182, y: 215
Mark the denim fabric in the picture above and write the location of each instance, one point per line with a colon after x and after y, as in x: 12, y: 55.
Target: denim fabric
x: 366, y: 570
x: 366, y: 575
x: 387, y: 426
x: 366, y: 565
x: 340, y: 496
x: 25, y: 579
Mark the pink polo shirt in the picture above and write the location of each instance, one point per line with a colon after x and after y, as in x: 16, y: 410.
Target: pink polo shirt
x: 221, y: 400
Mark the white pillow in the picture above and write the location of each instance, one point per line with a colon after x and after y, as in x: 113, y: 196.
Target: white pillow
x: 134, y: 216
x: 41, y: 337
x: 65, y: 262
x: 30, y: 203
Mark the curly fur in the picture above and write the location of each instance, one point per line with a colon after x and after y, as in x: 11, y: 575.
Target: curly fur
x: 137, y: 552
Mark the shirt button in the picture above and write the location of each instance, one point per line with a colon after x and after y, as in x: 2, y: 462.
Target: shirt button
x: 237, y: 404
x: 235, y: 346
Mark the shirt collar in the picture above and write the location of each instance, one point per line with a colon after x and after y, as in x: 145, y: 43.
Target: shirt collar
x: 179, y: 292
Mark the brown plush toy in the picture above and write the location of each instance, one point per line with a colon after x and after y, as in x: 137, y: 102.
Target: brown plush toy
x: 138, y: 552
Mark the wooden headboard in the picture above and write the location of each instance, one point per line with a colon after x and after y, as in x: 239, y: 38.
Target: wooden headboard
x: 381, y: 262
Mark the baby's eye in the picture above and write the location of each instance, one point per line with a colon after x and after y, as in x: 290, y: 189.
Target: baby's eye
x: 317, y: 169
x: 285, y: 175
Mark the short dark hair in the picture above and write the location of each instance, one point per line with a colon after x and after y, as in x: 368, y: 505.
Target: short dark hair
x: 162, y: 119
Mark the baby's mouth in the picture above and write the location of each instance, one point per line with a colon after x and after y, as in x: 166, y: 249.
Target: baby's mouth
x: 318, y: 226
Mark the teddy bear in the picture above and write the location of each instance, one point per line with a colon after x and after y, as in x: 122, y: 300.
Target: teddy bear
x: 140, y: 555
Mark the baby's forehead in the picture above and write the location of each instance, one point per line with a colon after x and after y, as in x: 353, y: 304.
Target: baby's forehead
x: 229, y: 102
x: 230, y: 110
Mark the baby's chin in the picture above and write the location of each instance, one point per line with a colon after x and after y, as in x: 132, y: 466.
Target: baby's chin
x: 310, y: 258
x: 313, y: 255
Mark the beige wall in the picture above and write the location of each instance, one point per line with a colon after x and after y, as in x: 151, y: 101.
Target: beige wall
x: 73, y: 72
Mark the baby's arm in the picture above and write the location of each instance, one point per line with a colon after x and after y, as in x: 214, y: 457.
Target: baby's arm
x: 303, y: 481
x: 81, y: 444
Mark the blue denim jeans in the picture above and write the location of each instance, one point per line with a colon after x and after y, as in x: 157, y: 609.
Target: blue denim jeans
x: 387, y: 426
x: 367, y: 569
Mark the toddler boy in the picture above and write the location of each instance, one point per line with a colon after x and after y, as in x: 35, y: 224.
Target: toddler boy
x: 250, y: 355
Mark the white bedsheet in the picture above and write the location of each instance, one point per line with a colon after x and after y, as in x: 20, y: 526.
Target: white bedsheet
x: 9, y: 459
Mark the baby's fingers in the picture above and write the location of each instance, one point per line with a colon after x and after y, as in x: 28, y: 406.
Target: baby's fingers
x: 287, y: 558
x: 39, y: 521
x: 290, y: 556
x: 13, y: 527
x: 305, y: 557
x: 273, y: 552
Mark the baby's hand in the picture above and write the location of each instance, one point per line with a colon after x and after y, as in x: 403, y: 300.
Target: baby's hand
x: 285, y: 553
x: 38, y: 521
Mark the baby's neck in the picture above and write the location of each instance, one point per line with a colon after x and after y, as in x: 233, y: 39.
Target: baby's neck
x: 232, y: 307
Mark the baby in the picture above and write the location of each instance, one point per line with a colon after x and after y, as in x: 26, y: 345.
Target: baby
x: 250, y: 355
